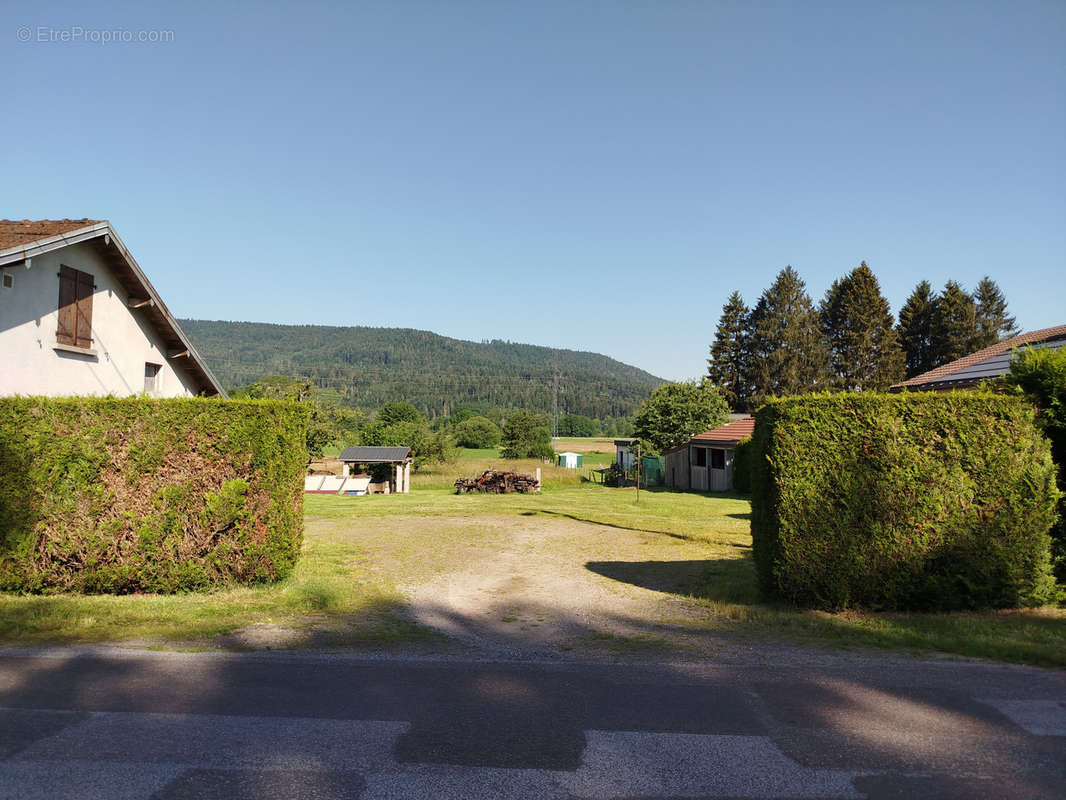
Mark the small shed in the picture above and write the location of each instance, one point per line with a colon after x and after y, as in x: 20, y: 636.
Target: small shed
x: 705, y: 462
x: 625, y: 454
x: 399, y: 480
x: 569, y: 460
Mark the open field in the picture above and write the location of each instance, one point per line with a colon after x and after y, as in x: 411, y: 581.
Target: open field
x: 576, y: 571
x: 584, y: 444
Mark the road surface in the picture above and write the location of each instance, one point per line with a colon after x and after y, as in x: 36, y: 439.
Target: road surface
x: 109, y: 723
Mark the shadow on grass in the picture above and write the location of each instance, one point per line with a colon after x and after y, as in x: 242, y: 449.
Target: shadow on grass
x: 723, y: 580
x: 578, y: 518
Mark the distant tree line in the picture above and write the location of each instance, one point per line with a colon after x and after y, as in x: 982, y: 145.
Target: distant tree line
x: 850, y: 341
x: 363, y: 367
x: 519, y: 433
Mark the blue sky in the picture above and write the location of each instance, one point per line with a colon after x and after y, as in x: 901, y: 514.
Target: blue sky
x: 597, y: 176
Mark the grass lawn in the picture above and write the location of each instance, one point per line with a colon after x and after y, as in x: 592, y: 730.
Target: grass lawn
x: 361, y: 555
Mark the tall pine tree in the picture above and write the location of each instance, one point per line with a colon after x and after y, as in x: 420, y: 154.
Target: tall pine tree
x: 954, y: 324
x: 727, y: 366
x: 788, y: 354
x: 864, y: 347
x: 993, y: 322
x: 915, y: 329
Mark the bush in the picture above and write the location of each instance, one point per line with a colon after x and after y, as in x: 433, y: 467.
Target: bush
x: 105, y: 495
x: 478, y: 432
x: 912, y: 501
x: 1039, y: 375
x: 526, y: 435
x: 742, y: 466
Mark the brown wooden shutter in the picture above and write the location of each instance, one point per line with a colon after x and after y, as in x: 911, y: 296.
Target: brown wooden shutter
x: 68, y: 298
x: 84, y: 331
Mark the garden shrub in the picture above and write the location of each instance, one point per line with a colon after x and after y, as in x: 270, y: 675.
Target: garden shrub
x: 742, y: 466
x: 907, y: 501
x: 1039, y: 375
x: 108, y: 495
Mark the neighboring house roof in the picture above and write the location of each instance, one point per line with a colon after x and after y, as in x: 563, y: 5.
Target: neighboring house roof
x: 729, y: 435
x: 375, y: 455
x: 991, y: 362
x: 21, y: 240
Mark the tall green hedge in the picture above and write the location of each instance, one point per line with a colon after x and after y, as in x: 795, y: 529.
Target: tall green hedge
x: 909, y: 501
x: 742, y: 459
x: 106, y: 495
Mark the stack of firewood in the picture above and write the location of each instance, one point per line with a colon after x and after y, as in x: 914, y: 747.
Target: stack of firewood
x: 498, y: 483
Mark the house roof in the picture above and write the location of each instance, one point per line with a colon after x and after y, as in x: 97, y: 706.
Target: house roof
x: 375, y: 455
x: 991, y: 362
x: 730, y: 433
x: 21, y: 240
x: 14, y: 232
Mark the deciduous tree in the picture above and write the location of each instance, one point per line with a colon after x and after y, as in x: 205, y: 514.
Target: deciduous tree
x: 478, y: 432
x: 526, y: 435
x: 676, y: 411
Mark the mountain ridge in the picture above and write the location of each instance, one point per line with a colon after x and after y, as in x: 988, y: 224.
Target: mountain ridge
x: 368, y: 366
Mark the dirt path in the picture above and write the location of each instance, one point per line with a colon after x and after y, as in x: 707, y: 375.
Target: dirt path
x: 534, y: 594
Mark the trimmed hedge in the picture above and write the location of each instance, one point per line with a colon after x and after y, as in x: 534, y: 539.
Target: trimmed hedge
x: 742, y: 460
x: 106, y: 495
x: 911, y: 501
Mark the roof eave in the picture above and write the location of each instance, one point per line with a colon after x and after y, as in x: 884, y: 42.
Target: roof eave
x: 21, y: 252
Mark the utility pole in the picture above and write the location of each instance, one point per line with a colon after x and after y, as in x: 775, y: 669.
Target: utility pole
x: 555, y: 401
x: 638, y: 470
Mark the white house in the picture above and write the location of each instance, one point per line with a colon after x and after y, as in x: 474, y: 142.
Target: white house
x: 79, y: 317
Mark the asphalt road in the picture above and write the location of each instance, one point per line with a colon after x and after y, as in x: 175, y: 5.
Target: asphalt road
x: 108, y: 723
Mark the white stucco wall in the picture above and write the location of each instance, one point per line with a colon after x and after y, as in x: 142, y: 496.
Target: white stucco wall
x: 123, y: 338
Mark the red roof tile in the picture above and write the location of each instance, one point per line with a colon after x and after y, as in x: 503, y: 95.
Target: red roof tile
x: 732, y: 432
x: 14, y: 232
x: 943, y: 373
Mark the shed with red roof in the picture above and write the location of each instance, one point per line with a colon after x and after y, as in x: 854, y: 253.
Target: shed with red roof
x: 705, y: 462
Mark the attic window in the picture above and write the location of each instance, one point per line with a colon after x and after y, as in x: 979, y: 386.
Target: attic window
x: 9, y: 280
x: 75, y: 308
x: 151, y: 377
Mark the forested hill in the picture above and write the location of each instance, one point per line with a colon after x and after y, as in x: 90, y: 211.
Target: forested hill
x: 371, y: 366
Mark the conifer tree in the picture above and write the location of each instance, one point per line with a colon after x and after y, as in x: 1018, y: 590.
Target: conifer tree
x: 788, y: 354
x: 954, y: 324
x: 864, y: 347
x: 727, y: 367
x: 993, y: 323
x: 915, y: 329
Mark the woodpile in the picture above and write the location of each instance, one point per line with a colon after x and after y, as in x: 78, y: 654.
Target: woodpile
x: 496, y: 482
